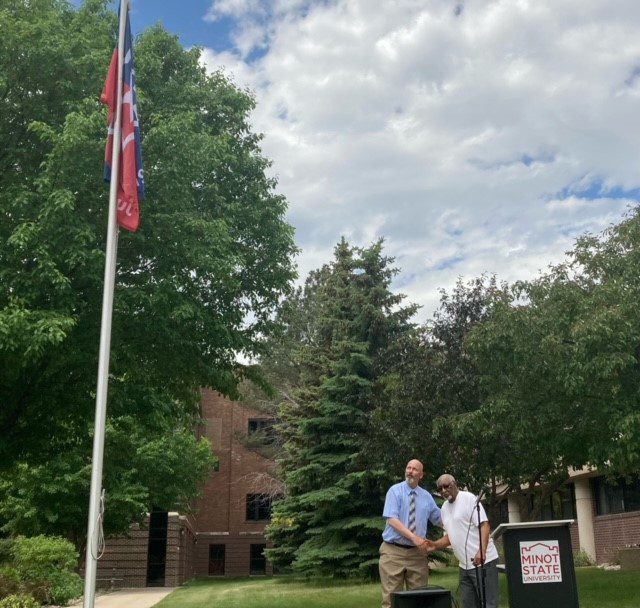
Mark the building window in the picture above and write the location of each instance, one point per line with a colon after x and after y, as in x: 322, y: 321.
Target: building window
x: 561, y: 504
x: 263, y: 429
x: 258, y: 507
x: 498, y: 513
x: 257, y: 560
x: 618, y: 496
x: 216, y: 560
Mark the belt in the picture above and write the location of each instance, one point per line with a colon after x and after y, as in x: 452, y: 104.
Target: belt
x: 399, y: 545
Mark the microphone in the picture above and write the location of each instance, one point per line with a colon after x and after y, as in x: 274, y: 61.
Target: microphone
x: 484, y: 490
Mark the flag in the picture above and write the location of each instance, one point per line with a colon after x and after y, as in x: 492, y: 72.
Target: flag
x: 131, y: 179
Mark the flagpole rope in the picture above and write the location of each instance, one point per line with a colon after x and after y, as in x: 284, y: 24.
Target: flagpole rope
x: 99, y: 530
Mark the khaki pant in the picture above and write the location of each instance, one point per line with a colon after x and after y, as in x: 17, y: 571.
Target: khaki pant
x: 401, y: 569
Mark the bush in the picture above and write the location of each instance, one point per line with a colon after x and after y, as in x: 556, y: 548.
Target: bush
x: 451, y: 559
x: 6, y: 550
x: 45, y: 566
x: 19, y: 601
x: 581, y: 558
x: 9, y: 581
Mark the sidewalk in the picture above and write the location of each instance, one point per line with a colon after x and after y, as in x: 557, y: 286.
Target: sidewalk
x: 131, y: 598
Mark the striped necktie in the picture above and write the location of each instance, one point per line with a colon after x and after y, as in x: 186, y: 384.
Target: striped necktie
x: 412, y: 511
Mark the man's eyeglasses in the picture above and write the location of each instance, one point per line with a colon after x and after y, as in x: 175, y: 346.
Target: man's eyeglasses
x: 444, y: 486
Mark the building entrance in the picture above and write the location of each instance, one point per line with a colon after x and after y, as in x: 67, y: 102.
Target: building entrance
x: 216, y: 560
x: 258, y: 561
x: 157, y: 552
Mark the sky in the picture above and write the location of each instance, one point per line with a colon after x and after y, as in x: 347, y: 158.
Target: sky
x: 475, y: 136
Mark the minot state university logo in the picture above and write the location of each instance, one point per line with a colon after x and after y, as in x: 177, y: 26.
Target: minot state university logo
x: 540, y: 561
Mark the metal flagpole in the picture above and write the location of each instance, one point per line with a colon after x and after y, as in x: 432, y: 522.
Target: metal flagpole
x: 94, y: 525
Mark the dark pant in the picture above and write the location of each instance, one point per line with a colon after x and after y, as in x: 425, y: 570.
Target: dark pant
x: 470, y: 591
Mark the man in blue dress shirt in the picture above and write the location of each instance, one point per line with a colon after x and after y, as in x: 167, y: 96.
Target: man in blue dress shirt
x: 403, y: 553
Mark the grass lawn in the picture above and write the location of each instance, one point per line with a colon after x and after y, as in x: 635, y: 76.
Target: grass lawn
x: 596, y: 588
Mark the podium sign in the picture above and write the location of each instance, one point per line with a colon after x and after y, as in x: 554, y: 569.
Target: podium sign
x: 428, y: 597
x: 539, y: 564
x: 540, y: 561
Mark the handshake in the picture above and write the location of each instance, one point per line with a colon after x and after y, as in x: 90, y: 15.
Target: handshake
x: 427, y: 546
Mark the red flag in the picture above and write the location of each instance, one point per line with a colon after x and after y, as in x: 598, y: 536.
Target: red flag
x: 131, y: 179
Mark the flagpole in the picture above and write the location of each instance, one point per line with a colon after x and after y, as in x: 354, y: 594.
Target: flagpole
x: 94, y: 525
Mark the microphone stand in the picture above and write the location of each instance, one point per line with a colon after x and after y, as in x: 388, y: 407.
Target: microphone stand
x: 480, y: 579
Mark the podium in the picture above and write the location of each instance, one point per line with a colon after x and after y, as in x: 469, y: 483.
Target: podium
x: 427, y: 597
x: 539, y: 564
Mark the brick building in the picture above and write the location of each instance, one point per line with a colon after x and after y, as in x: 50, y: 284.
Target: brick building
x: 236, y: 501
x: 224, y: 535
x: 606, y: 512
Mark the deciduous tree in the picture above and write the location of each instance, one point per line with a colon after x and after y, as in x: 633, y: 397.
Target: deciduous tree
x: 196, y: 285
x: 433, y: 383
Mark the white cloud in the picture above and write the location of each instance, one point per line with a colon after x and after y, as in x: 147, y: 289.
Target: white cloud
x: 466, y: 136
x: 238, y: 9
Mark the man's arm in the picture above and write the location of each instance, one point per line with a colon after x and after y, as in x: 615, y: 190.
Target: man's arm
x: 481, y: 555
x: 400, y: 528
x: 435, y: 515
x: 441, y: 543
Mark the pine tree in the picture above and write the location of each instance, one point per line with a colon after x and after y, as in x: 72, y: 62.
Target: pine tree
x: 346, y: 319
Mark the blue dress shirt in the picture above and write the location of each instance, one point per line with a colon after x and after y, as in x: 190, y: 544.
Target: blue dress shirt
x: 396, y: 505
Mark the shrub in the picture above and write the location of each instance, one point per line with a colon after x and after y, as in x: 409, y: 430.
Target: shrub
x: 6, y: 547
x: 45, y: 566
x: 40, y: 591
x: 19, y: 601
x: 581, y: 558
x: 451, y: 559
x: 9, y: 581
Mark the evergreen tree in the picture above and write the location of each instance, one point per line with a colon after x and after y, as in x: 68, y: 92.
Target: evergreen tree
x: 344, y: 322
